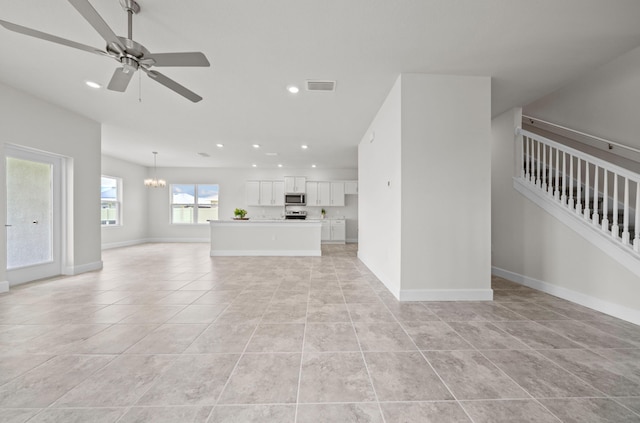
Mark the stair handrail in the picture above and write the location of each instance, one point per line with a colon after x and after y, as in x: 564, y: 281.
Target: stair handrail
x: 534, y: 121
x: 577, y: 153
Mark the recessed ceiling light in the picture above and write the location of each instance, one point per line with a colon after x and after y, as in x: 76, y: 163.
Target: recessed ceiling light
x: 279, y: 165
x: 92, y: 84
x: 219, y: 145
x: 256, y: 145
x: 203, y: 154
x: 313, y: 165
x: 293, y: 89
x: 254, y: 165
x: 304, y: 147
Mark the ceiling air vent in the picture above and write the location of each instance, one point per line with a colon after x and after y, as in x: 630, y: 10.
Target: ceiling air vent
x: 326, y: 86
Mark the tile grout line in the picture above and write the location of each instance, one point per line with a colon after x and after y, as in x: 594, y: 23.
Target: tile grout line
x: 366, y: 366
x: 425, y: 358
x: 304, y: 337
x: 242, y: 354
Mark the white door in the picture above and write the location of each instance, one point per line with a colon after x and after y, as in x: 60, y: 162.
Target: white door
x: 33, y: 215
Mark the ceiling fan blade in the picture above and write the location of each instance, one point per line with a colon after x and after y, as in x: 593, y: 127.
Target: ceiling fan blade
x: 178, y: 59
x: 120, y: 80
x: 172, y: 85
x: 48, y: 37
x: 95, y: 20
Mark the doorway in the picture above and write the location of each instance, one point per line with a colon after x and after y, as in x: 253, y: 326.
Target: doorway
x: 34, y: 215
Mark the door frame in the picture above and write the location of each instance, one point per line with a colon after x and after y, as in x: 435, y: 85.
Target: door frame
x: 34, y: 272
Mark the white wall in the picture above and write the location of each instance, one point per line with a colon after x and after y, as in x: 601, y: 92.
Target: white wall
x: 425, y: 189
x: 33, y: 123
x: 134, y: 228
x: 604, y: 102
x: 379, y: 189
x: 232, y: 195
x: 531, y: 243
x: 446, y: 182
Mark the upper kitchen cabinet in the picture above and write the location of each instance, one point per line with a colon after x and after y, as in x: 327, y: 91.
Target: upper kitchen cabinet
x: 264, y: 193
x: 337, y: 194
x: 351, y: 187
x: 294, y: 184
x: 252, y: 193
x: 325, y: 193
x: 271, y: 193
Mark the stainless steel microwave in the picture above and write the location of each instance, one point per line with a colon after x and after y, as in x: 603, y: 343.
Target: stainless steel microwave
x: 295, y: 199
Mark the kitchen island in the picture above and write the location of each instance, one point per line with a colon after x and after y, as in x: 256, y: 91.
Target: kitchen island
x: 265, y: 238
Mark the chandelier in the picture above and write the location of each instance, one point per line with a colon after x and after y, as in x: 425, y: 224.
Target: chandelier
x: 155, y: 182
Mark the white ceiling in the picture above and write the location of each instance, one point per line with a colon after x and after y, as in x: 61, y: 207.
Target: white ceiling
x: 257, y: 48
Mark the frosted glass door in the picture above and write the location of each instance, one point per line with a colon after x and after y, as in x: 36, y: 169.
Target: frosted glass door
x: 29, y: 213
x: 34, y: 215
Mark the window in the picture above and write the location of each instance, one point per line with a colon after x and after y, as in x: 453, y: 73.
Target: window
x: 110, y: 197
x: 194, y: 203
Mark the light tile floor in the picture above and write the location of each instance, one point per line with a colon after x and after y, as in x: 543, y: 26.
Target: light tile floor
x: 167, y: 334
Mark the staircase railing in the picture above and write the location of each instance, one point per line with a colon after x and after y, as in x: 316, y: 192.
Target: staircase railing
x: 602, y: 194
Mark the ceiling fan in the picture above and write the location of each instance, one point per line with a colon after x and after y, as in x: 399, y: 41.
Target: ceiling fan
x: 130, y: 54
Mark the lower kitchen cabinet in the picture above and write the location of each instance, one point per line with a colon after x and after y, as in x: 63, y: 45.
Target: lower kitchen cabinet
x: 333, y: 230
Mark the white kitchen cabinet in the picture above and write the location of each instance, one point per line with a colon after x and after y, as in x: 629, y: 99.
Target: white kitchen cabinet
x: 318, y: 193
x: 295, y: 184
x: 325, y: 230
x: 264, y: 193
x: 351, y: 187
x: 337, y: 194
x: 278, y: 193
x: 338, y: 230
x: 324, y: 193
x: 333, y: 230
x: 271, y: 193
x: 252, y: 193
x: 312, y: 194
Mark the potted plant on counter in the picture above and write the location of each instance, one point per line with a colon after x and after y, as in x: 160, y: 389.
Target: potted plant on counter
x: 323, y: 212
x: 240, y: 214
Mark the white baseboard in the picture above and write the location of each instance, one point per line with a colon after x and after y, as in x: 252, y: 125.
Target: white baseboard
x: 382, y: 277
x: 188, y: 240
x: 4, y: 286
x: 263, y: 253
x: 612, y: 309
x: 446, y: 295
x: 130, y: 243
x: 83, y: 268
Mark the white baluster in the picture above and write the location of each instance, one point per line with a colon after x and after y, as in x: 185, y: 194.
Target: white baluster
x: 529, y: 158
x: 595, y: 218
x: 556, y: 192
x: 563, y: 196
x: 605, y: 201
x: 579, y: 189
x: 537, y: 182
x: 543, y: 181
x: 523, y: 162
x: 571, y: 203
x: 615, y: 229
x: 636, y: 223
x: 625, y: 219
x: 586, y: 190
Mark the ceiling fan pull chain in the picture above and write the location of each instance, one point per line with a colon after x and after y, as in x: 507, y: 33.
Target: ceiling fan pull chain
x: 139, y: 87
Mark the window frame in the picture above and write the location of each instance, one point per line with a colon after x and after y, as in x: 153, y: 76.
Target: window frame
x: 194, y: 205
x: 117, y: 202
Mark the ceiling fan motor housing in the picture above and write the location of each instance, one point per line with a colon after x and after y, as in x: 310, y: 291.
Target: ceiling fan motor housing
x: 130, y: 6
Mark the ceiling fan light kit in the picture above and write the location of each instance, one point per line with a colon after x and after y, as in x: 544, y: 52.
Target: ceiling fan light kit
x: 132, y: 55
